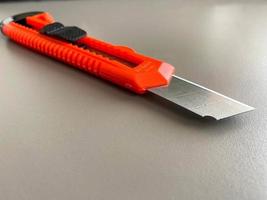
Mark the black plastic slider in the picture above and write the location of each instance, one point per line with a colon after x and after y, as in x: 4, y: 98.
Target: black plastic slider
x: 68, y: 33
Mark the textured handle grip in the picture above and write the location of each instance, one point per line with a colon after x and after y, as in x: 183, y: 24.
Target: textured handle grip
x: 62, y: 51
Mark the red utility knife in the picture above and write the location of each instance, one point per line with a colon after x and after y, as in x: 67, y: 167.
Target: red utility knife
x: 119, y: 64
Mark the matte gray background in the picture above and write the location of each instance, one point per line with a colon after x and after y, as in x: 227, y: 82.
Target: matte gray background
x: 66, y: 135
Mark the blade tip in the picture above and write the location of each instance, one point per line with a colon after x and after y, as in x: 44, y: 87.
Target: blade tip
x: 249, y: 109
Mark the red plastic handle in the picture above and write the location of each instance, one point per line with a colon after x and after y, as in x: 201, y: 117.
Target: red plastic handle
x: 118, y: 64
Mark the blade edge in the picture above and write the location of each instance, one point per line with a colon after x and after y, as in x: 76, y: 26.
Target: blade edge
x: 200, y: 100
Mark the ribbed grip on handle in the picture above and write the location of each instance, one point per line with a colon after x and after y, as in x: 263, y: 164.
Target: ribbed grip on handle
x: 62, y: 51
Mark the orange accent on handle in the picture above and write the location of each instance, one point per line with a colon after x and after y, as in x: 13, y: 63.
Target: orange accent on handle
x: 40, y: 20
x: 118, y: 64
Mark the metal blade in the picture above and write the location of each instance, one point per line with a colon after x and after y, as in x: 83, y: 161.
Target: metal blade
x: 200, y: 100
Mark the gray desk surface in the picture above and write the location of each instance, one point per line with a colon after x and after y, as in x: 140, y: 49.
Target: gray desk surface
x: 65, y: 135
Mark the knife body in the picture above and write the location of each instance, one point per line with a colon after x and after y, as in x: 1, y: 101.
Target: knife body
x: 120, y: 65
